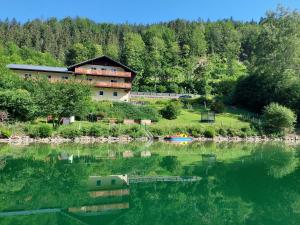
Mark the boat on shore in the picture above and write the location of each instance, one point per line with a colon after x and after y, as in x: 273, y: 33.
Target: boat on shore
x: 179, y: 138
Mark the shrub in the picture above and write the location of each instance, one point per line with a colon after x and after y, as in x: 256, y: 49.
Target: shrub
x: 170, y: 163
x: 161, y: 89
x: 278, y: 119
x: 203, y: 100
x: 157, y: 131
x: 217, y: 106
x: 18, y: 103
x: 222, y: 132
x: 98, y: 131
x: 115, y: 131
x: 70, y: 131
x: 209, y: 132
x: 231, y: 132
x: 4, y: 132
x: 195, y: 131
x: 170, y: 111
x: 84, y: 129
x: 123, y: 110
x: 134, y: 131
x: 40, y: 130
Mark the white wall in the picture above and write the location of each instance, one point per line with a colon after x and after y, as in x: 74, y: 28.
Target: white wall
x: 123, y: 95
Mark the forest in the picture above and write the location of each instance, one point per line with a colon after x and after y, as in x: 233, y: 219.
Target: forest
x: 249, y: 64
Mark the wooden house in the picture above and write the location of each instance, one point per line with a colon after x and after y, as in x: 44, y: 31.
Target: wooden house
x: 110, y: 80
x: 107, y: 182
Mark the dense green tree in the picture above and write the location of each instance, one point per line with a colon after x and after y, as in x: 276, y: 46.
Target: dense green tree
x: 112, y: 50
x: 18, y: 103
x: 278, y: 119
x: 206, y: 58
x: 134, y: 52
x: 274, y: 71
x: 77, y: 53
x: 60, y: 99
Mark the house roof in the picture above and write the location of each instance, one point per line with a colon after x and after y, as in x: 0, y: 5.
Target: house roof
x: 38, y: 68
x: 98, y: 60
x: 103, y: 58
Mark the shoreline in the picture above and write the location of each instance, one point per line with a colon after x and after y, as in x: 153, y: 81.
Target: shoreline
x: 26, y: 140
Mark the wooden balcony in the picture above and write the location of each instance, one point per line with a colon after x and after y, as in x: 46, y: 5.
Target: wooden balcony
x: 113, y: 85
x: 109, y: 73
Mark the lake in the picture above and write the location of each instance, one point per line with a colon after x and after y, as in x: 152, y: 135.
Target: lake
x: 123, y: 184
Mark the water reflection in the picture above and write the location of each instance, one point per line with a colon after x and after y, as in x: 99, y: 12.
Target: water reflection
x: 241, y: 184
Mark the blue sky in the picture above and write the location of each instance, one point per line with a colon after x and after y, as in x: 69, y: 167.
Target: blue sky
x: 140, y: 11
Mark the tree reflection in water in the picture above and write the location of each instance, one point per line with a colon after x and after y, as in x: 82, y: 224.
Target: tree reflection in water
x: 247, y: 184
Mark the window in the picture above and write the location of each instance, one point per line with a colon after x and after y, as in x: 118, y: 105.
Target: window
x: 89, y: 79
x: 103, y: 69
x: 65, y: 77
x: 49, y: 77
x: 115, y: 94
x: 114, y: 81
x: 94, y: 68
x: 98, y: 183
x: 113, y: 182
x: 101, y: 93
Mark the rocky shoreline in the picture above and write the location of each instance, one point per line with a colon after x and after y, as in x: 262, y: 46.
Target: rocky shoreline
x: 25, y: 140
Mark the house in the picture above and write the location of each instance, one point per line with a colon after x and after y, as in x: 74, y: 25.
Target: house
x: 110, y: 80
x: 107, y: 182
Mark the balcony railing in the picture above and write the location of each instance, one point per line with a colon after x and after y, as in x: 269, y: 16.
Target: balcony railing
x: 113, y: 85
x: 110, y: 73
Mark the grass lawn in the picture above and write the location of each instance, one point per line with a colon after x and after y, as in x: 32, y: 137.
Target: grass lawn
x: 230, y: 118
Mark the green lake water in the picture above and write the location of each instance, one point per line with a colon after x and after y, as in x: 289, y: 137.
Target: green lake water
x: 255, y: 184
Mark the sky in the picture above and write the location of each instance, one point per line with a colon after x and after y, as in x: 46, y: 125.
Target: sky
x: 141, y: 11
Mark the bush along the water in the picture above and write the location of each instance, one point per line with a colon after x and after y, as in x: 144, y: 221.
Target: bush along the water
x: 4, y: 132
x: 278, y: 119
x: 209, y: 132
x: 101, y: 130
x: 70, y: 131
x: 40, y: 130
x: 122, y: 110
x: 134, y: 131
x: 98, y: 131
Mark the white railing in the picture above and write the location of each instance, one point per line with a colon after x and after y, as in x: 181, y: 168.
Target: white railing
x: 158, y: 95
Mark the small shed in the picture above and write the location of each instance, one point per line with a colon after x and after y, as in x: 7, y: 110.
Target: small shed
x: 68, y: 120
